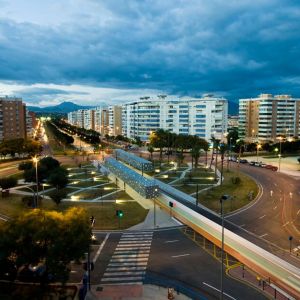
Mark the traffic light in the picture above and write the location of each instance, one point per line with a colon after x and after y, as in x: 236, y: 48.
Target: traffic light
x: 171, y: 204
x: 119, y: 213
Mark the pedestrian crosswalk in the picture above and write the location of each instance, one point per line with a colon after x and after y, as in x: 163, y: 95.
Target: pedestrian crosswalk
x: 129, y: 261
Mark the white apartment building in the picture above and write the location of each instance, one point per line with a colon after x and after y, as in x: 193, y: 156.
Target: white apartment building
x: 84, y: 118
x: 204, y: 117
x: 267, y: 117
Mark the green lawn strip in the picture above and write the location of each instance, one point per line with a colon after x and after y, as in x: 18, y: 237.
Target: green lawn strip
x: 68, y: 190
x: 24, y: 189
x: 86, y: 183
x: 196, y: 180
x: 202, y: 172
x: 105, y: 213
x: 238, y: 192
x: 190, y: 189
x: 90, y: 194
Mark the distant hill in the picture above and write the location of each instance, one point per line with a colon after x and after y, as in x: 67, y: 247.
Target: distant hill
x: 63, y: 108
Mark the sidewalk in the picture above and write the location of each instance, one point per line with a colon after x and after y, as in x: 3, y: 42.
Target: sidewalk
x: 247, y: 276
x: 132, y: 292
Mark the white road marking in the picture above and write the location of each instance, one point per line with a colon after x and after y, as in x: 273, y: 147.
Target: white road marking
x: 275, y: 184
x: 285, y: 224
x: 133, y: 273
x: 100, y: 248
x: 173, y: 241
x: 242, y: 225
x: 122, y: 278
x: 181, y: 255
x: 298, y: 212
x: 262, y: 216
x: 212, y: 287
x: 263, y: 235
x: 275, y: 207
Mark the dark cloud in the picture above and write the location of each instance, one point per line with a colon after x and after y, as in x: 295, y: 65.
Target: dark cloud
x: 238, y: 48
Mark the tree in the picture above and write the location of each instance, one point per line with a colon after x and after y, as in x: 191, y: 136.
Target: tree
x: 8, y: 182
x: 26, y: 165
x: 222, y: 152
x: 151, y: 150
x: 58, y: 178
x: 55, y: 240
x: 217, y: 143
x: 58, y: 195
x: 158, y: 140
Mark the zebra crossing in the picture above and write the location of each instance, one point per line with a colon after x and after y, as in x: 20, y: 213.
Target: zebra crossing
x: 129, y: 261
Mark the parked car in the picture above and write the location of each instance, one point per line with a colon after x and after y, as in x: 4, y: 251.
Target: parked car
x: 252, y: 163
x: 243, y: 161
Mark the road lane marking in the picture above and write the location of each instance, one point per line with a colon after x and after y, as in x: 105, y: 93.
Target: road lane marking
x: 214, y: 288
x: 275, y: 207
x: 100, y: 249
x: 275, y: 184
x: 181, y: 255
x: 242, y: 225
x: 262, y: 216
x: 285, y: 224
x: 298, y: 212
x: 263, y: 235
x: 172, y: 241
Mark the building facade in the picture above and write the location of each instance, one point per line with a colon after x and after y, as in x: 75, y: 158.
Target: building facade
x: 31, y: 123
x: 204, y: 117
x: 115, y: 120
x: 267, y: 117
x: 101, y: 120
x: 12, y: 118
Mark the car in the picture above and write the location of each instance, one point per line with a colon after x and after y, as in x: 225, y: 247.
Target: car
x: 263, y: 165
x: 252, y: 163
x: 243, y: 161
x: 270, y: 167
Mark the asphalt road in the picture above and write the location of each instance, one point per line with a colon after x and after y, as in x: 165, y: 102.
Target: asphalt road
x: 275, y: 216
x: 175, y: 257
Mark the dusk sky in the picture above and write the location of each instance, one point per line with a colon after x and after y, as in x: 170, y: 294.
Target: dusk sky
x: 89, y: 51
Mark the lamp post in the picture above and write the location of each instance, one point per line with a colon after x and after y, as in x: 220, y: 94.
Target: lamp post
x: 279, y: 155
x: 35, y: 160
x: 223, y: 198
x: 258, y: 146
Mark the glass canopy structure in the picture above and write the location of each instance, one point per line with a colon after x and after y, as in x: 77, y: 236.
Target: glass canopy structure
x: 145, y: 187
x: 133, y: 160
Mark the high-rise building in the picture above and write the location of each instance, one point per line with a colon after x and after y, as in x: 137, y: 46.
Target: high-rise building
x: 101, y: 120
x: 31, y: 123
x: 115, y: 120
x: 12, y: 118
x: 267, y: 117
x: 204, y: 117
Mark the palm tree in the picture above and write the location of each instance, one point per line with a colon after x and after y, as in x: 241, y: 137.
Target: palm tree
x: 151, y: 150
x: 222, y: 152
x: 241, y: 144
x: 213, y: 140
x: 158, y: 140
x: 217, y: 143
x: 196, y: 154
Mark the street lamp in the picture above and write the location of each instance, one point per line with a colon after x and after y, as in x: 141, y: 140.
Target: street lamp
x: 35, y: 160
x: 258, y: 146
x: 279, y: 155
x: 223, y: 198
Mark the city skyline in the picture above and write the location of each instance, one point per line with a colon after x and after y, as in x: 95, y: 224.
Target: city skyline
x: 88, y: 52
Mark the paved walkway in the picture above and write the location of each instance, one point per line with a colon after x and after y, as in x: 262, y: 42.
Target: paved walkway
x: 132, y: 292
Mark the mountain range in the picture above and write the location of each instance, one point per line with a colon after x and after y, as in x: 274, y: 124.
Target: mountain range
x: 66, y: 107
x: 63, y: 108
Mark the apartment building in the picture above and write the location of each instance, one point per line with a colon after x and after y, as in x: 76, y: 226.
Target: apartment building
x: 31, y: 123
x: 115, y: 120
x: 12, y: 118
x: 204, y: 117
x: 101, y: 120
x: 267, y: 117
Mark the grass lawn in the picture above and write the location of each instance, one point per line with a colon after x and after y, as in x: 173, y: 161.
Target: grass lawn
x: 190, y: 189
x: 90, y: 194
x: 66, y: 189
x: 238, y: 192
x: 84, y: 184
x: 105, y: 213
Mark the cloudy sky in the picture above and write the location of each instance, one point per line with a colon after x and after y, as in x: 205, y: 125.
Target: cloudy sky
x: 91, y: 51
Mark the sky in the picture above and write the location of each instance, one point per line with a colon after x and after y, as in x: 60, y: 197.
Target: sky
x: 92, y: 51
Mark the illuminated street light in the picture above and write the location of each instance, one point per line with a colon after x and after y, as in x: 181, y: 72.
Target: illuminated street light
x: 258, y: 146
x: 35, y: 160
x: 223, y: 198
x: 279, y: 155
